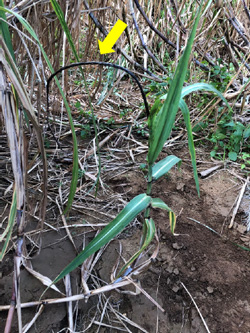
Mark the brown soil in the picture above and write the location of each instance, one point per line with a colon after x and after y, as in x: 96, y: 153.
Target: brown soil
x: 214, y: 270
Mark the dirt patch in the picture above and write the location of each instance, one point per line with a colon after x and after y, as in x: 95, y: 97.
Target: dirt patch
x: 214, y: 270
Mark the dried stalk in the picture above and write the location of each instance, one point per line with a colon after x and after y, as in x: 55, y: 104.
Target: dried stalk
x: 152, y: 26
x: 238, y: 203
x: 142, y: 40
x: 105, y: 33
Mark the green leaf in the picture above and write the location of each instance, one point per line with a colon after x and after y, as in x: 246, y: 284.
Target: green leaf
x: 232, y: 156
x: 158, y: 203
x: 150, y: 233
x: 153, y: 112
x: 133, y: 208
x: 186, y: 116
x: 201, y: 86
x: 163, y: 122
x: 60, y: 15
x: 246, y: 133
x: 4, y: 28
x: 172, y: 221
x: 213, y: 153
x: 163, y: 166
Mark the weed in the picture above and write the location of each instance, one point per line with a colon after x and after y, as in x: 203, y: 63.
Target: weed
x: 140, y: 129
x: 81, y: 173
x: 124, y: 113
x: 111, y: 121
x: 47, y: 143
x: 143, y: 167
x: 230, y: 137
x: 220, y: 76
x: 245, y: 157
x: 86, y: 131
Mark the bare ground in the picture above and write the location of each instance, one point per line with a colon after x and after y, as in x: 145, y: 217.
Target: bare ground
x: 212, y: 268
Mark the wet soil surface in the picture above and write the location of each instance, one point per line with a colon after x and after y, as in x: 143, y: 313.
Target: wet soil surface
x: 195, y: 263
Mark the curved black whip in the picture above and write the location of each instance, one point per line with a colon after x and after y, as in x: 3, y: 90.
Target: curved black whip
x: 102, y: 64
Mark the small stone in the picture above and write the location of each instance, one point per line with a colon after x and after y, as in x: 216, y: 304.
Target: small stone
x: 175, y: 288
x: 180, y: 187
x: 210, y: 290
x: 155, y: 270
x: 168, y: 281
x: 177, y: 246
x: 242, y: 228
x: 176, y: 271
x: 169, y: 269
x: 193, y: 269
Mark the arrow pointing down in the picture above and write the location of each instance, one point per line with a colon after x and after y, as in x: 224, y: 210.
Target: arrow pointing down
x: 112, y: 37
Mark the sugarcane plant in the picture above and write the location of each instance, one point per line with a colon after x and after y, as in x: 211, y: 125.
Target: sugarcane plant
x: 160, y: 122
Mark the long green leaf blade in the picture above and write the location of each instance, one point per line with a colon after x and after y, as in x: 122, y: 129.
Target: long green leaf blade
x: 201, y: 86
x: 204, y: 86
x: 133, y: 208
x: 163, y: 166
x: 163, y: 123
x: 5, y: 31
x: 186, y: 116
x: 60, y: 15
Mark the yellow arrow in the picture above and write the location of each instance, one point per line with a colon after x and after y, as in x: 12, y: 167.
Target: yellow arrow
x: 111, y: 39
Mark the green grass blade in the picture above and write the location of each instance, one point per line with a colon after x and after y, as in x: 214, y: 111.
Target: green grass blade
x: 4, y: 28
x: 163, y: 166
x: 163, y: 122
x: 201, y: 86
x: 60, y: 15
x: 186, y: 116
x: 150, y: 233
x: 158, y: 203
x: 11, y: 221
x: 207, y: 7
x: 133, y: 208
x: 204, y: 86
x: 74, y: 180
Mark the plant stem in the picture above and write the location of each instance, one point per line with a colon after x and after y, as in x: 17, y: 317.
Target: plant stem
x: 147, y: 212
x: 149, y: 182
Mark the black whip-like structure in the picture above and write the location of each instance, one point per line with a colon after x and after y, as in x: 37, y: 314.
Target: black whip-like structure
x: 77, y: 64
